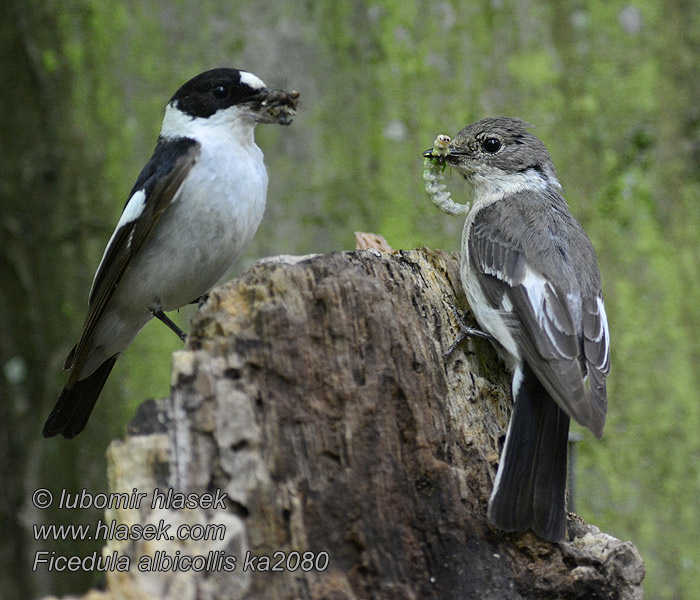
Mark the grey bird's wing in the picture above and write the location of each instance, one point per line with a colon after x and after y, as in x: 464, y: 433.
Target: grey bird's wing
x: 536, y: 265
x: 154, y: 190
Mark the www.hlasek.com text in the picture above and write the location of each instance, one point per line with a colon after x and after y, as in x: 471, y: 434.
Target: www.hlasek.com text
x: 112, y: 530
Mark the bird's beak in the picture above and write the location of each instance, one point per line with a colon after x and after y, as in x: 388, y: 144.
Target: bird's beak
x: 453, y: 152
x: 275, y: 106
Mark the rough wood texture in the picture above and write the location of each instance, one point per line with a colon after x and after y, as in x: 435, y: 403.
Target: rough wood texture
x: 313, y: 391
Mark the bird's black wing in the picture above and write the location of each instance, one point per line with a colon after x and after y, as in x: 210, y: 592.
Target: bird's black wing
x: 532, y: 277
x: 153, y: 192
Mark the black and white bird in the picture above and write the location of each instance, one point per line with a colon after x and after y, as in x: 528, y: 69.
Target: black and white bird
x: 193, y: 210
x: 531, y: 277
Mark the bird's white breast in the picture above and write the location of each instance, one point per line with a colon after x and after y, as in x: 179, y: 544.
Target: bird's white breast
x: 206, y: 228
x: 211, y: 221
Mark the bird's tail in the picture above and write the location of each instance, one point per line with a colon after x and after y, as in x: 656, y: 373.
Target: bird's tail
x: 530, y: 487
x: 72, y: 411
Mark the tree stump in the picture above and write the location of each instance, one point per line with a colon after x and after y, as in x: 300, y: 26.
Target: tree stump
x: 314, y: 394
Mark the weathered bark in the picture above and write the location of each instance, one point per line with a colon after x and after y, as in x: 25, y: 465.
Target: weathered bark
x: 313, y: 391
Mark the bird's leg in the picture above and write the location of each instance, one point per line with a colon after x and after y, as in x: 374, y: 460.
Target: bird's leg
x: 159, y: 314
x: 464, y: 332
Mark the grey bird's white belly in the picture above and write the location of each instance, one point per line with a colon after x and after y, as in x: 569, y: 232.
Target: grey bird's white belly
x: 203, y: 232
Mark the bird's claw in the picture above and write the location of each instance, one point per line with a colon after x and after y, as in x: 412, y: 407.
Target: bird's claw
x: 465, y: 331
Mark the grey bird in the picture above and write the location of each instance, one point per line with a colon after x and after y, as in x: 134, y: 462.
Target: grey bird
x: 531, y: 277
x: 193, y: 210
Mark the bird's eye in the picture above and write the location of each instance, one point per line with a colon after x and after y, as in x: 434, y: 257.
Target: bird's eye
x: 491, y: 145
x: 220, y: 92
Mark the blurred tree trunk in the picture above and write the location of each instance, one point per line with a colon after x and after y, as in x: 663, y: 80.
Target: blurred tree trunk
x: 49, y: 176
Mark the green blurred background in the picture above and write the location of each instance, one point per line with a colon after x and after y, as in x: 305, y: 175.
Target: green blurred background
x: 612, y: 87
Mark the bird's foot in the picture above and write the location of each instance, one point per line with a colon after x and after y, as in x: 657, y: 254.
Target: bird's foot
x: 465, y: 331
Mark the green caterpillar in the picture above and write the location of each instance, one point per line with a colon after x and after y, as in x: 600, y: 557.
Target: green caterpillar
x: 433, y: 169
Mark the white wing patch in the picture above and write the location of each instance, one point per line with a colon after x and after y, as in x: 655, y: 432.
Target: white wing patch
x: 500, y: 275
x: 548, y: 313
x: 506, y: 304
x: 604, y: 333
x: 251, y: 80
x: 534, y: 285
x: 132, y: 211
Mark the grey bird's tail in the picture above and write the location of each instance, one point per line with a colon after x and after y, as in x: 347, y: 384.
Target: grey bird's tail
x: 72, y: 411
x: 530, y: 487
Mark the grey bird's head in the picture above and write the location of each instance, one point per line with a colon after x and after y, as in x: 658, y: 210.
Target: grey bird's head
x: 500, y: 155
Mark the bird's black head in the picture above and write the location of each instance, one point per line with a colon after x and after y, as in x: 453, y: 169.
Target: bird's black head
x: 219, y: 89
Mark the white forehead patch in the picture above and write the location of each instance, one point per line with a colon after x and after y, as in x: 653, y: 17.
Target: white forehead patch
x: 251, y: 80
